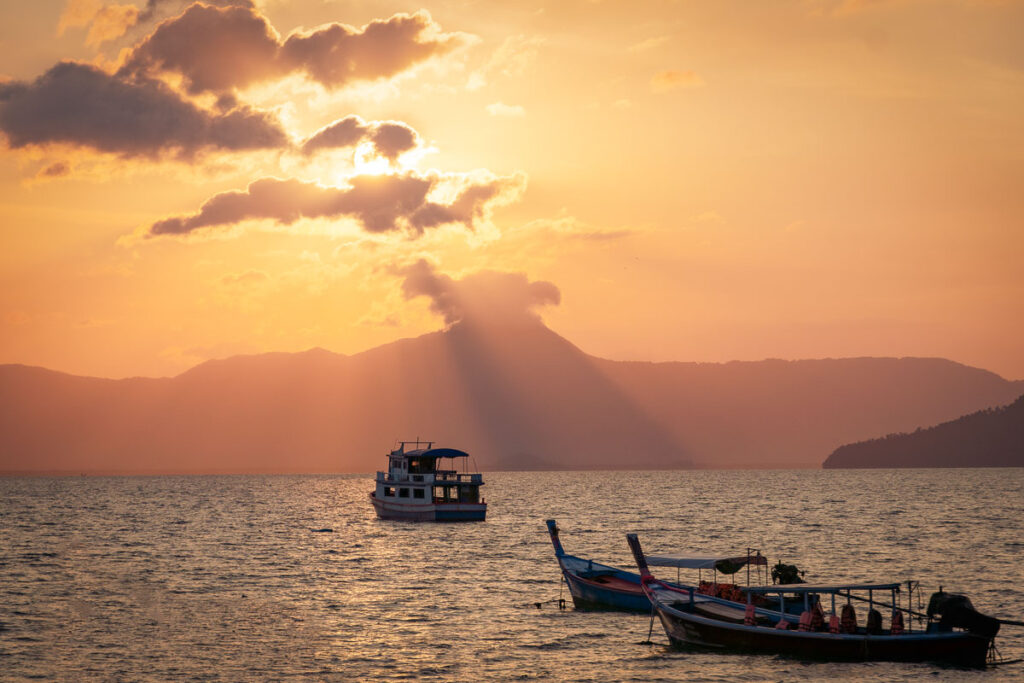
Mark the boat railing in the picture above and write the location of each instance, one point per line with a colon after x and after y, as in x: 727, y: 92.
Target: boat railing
x: 459, y: 478
x: 405, y: 476
x: 443, y: 477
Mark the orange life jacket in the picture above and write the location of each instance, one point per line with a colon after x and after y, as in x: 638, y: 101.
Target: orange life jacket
x: 897, y: 623
x: 817, y: 618
x: 805, y: 622
x: 848, y: 622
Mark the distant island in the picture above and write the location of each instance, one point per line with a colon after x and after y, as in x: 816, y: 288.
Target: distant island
x: 988, y: 438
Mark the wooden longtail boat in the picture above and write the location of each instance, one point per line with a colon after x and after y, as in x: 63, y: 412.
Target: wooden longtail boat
x: 956, y: 633
x: 599, y: 586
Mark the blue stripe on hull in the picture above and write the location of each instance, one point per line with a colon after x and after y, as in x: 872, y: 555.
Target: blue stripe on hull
x: 589, y: 596
x: 460, y: 515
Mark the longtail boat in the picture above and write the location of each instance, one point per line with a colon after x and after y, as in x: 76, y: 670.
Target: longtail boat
x: 600, y: 586
x: 955, y: 632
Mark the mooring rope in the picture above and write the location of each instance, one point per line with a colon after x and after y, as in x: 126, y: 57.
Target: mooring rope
x: 560, y: 601
x: 650, y: 630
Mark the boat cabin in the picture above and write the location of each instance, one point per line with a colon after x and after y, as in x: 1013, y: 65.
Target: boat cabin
x: 428, y: 474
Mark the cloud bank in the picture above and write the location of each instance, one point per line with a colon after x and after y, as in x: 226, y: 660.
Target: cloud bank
x: 82, y: 105
x: 219, y: 49
x: 377, y: 203
x: 486, y: 295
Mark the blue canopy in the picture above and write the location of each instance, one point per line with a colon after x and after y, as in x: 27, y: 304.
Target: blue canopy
x: 439, y: 453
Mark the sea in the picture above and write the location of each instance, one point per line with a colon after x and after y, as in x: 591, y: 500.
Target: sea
x: 293, y: 578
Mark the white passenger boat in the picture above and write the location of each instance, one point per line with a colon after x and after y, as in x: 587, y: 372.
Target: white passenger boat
x: 424, y: 484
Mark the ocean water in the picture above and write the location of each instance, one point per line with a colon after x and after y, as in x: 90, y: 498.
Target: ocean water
x: 252, y: 578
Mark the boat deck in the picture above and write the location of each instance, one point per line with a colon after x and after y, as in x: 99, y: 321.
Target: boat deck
x: 613, y: 582
x: 721, y: 612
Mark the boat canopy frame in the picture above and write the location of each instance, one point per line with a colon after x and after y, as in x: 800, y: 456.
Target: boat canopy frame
x: 823, y: 588
x: 702, y: 561
x: 431, y: 453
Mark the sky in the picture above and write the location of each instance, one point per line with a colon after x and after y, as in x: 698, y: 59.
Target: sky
x: 667, y: 180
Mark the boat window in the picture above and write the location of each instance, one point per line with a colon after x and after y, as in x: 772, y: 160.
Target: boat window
x: 469, y: 494
x: 403, y: 493
x: 389, y: 490
x: 418, y: 493
x: 420, y: 466
x: 438, y: 494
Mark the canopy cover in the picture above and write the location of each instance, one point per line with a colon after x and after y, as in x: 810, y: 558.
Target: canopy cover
x: 823, y: 587
x: 722, y: 563
x: 438, y: 453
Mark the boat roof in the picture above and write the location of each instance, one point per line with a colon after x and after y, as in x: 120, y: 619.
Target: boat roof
x: 432, y: 453
x: 822, y: 587
x: 702, y: 561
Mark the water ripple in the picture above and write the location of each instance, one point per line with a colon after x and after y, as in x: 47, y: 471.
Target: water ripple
x: 272, y: 578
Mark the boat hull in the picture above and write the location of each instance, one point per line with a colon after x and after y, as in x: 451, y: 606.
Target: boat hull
x: 429, y: 512
x: 685, y: 628
x: 611, y: 593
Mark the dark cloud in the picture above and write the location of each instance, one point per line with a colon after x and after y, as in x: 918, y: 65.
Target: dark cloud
x: 336, y: 54
x: 217, y: 49
x: 81, y: 105
x: 379, y: 203
x: 469, y: 205
x: 503, y: 297
x: 346, y: 132
x: 214, y: 48
x: 390, y: 139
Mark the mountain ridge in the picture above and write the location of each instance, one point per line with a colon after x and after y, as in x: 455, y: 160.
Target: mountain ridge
x: 992, y: 437
x: 516, y: 396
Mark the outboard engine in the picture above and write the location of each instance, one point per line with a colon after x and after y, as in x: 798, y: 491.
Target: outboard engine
x: 874, y: 623
x: 786, y: 573
x: 956, y: 610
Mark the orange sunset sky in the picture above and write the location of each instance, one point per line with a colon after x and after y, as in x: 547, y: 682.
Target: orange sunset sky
x: 700, y: 181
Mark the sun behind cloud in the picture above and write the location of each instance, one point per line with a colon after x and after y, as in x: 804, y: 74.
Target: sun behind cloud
x: 367, y: 161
